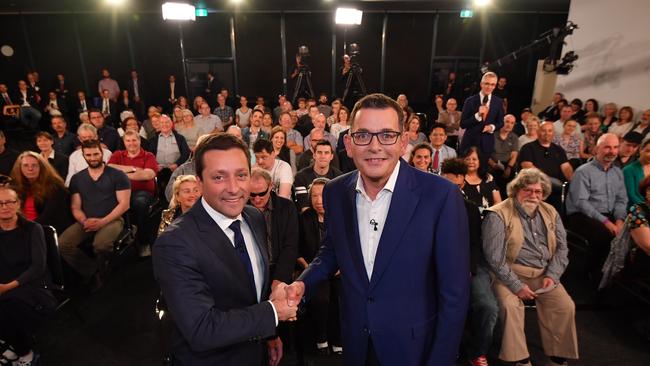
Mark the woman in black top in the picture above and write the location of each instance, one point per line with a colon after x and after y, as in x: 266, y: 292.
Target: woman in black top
x: 24, y: 302
x: 479, y: 189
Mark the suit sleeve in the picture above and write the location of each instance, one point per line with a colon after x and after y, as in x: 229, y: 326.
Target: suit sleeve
x: 453, y: 274
x: 190, y: 301
x: 289, y: 246
x: 467, y: 119
x: 325, y: 263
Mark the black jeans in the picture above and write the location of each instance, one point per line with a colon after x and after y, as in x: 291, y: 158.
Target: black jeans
x: 19, y: 320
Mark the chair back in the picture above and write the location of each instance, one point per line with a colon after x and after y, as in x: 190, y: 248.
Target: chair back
x: 53, y: 258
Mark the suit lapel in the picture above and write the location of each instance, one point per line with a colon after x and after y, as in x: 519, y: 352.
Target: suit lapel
x: 402, y: 207
x: 215, y: 239
x: 350, y: 214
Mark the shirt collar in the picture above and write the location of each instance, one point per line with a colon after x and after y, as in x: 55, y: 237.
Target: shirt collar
x: 390, y: 184
x: 481, y: 96
x: 51, y: 156
x: 219, y: 218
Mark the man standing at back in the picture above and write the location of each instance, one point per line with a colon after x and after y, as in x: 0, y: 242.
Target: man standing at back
x: 482, y: 117
x: 399, y: 238
x: 213, y: 267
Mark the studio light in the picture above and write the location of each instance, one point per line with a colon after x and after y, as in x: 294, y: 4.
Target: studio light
x: 115, y: 2
x: 482, y: 3
x: 178, y: 11
x: 348, y: 16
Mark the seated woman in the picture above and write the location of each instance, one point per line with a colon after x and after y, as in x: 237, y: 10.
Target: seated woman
x: 635, y: 172
x: 282, y: 152
x: 24, y: 302
x: 413, y: 130
x: 421, y: 157
x: 42, y: 194
x: 481, y: 190
x: 188, y: 128
x: 186, y: 191
x: 571, y: 143
x: 311, y: 233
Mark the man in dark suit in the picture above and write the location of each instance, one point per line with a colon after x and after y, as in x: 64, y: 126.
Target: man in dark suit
x: 173, y: 90
x: 482, y: 116
x: 135, y: 86
x: 399, y: 237
x: 213, y: 267
x: 108, y: 109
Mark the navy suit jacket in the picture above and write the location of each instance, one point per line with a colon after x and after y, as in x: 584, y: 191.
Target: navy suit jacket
x: 414, y: 306
x: 217, y: 318
x: 474, y: 135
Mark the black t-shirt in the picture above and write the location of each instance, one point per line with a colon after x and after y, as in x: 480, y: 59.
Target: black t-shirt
x: 546, y: 159
x: 98, y: 198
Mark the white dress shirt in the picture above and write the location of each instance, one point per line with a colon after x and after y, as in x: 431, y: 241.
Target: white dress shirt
x: 253, y: 250
x: 376, y: 211
x: 478, y: 115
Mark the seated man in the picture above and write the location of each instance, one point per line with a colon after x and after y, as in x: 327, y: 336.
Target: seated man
x: 108, y: 135
x: 320, y: 168
x: 253, y: 132
x: 628, y: 149
x: 320, y: 121
x: 450, y: 118
x: 170, y: 148
x: 77, y: 163
x: 483, y: 308
x: 100, y: 196
x: 506, y: 148
x: 64, y: 140
x: 525, y: 246
x: 441, y: 151
x: 294, y: 138
x: 597, y: 199
x: 141, y: 168
x: 280, y: 171
x: 548, y: 157
x: 281, y: 220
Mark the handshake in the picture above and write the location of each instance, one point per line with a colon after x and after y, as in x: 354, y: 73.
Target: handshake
x: 285, y: 299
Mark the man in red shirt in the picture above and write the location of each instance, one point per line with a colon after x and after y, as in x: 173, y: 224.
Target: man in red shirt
x: 141, y: 168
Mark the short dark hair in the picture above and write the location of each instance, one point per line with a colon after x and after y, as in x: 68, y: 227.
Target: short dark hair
x: 577, y: 101
x: 59, y: 117
x: 261, y: 145
x: 455, y: 166
x: 439, y: 125
x: 217, y: 141
x: 324, y: 143
x: 94, y: 110
x: 257, y: 111
x: 377, y: 101
x: 44, y: 134
x: 126, y: 120
x: 91, y: 144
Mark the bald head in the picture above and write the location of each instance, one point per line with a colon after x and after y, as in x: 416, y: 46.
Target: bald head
x: 607, y: 149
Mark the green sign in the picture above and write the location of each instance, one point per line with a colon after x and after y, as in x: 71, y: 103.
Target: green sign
x: 465, y: 13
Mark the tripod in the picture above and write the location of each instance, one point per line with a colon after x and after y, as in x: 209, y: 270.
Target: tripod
x: 303, y: 82
x: 354, y: 74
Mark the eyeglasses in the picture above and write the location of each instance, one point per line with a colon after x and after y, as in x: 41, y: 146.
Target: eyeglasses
x: 260, y: 194
x: 8, y: 203
x: 364, y: 138
x: 530, y: 191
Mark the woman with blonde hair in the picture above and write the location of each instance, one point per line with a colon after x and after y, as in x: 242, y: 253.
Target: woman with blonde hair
x: 188, y: 128
x: 41, y: 190
x: 185, y: 193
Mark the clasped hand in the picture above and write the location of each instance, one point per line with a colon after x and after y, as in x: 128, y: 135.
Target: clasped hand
x: 278, y: 297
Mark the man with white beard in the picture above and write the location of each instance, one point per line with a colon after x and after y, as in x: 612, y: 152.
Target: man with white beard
x: 525, y: 246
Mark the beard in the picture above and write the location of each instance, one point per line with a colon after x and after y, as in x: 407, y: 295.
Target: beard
x: 94, y: 164
x: 530, y: 207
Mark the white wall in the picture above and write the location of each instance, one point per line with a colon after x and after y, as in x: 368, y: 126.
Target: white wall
x: 613, y: 43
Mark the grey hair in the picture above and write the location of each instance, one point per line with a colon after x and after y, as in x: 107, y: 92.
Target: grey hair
x: 489, y: 74
x: 261, y: 173
x: 87, y: 127
x: 526, y: 177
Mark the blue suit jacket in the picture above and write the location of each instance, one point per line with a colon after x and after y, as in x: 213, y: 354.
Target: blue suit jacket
x: 217, y: 318
x: 414, y: 306
x: 474, y: 135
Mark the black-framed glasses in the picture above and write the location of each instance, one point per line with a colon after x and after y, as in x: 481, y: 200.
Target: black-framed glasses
x: 8, y: 203
x: 363, y: 138
x: 260, y: 194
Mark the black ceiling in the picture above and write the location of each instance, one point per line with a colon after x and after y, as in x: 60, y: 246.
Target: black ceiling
x: 287, y: 5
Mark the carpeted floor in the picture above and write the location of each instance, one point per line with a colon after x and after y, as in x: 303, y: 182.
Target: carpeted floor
x: 121, y: 328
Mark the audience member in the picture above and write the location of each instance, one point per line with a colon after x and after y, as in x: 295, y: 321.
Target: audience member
x: 532, y: 129
x: 323, y: 106
x: 482, y: 116
x: 566, y: 113
x: 312, y: 232
x: 279, y: 138
x: 224, y: 112
x: 526, y: 249
x: 25, y: 304
x: 251, y: 133
x: 170, y: 148
x: 341, y: 122
x: 321, y: 168
x: 141, y: 168
x: 570, y: 143
x: 294, y: 138
x: 624, y: 123
x: 185, y: 192
x: 643, y: 126
x: 108, y: 83
x: 636, y: 172
x: 502, y: 92
x: 280, y: 171
x: 552, y: 112
x: 451, y: 118
x: 440, y: 151
x: 41, y: 190
x: 107, y: 107
x: 307, y: 157
x: 596, y: 203
x: 281, y: 218
x: 578, y: 114
x: 100, y: 196
x: 152, y: 123
x: 479, y: 187
x: 592, y: 133
x: 130, y: 123
x: 267, y: 122
x: 420, y: 157
x: 506, y: 149
x: 591, y: 106
x: 628, y: 150
x: 30, y: 115
x: 172, y: 92
x: 107, y: 135
x: 55, y: 106
x: 610, y: 110
x: 520, y: 127
x: 334, y: 116
x: 413, y: 131
x: 207, y: 121
x: 243, y: 113
x: 320, y: 124
x: 59, y: 162
x: 188, y: 129
x: 77, y: 162
x: 278, y: 110
x: 307, y: 122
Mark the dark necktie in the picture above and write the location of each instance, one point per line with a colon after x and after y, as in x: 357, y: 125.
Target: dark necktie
x: 240, y: 247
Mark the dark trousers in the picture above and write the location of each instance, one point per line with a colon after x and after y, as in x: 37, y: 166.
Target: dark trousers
x: 18, y: 322
x: 319, y: 310
x: 483, y: 314
x: 140, y: 203
x: 597, y: 235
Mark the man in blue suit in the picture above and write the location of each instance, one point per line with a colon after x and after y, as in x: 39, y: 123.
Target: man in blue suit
x: 399, y: 237
x: 482, y: 116
x: 213, y: 268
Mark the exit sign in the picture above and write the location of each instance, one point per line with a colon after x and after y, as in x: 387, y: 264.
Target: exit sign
x: 201, y: 12
x: 465, y: 13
